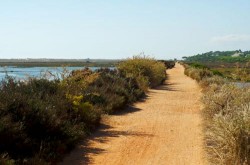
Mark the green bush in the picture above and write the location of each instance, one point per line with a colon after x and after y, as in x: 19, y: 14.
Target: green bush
x: 36, y: 117
x: 216, y: 72
x: 148, y: 72
x: 198, y: 66
x: 112, y: 91
x: 168, y: 64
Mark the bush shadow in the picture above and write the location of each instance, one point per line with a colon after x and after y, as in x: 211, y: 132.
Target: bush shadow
x: 127, y: 110
x: 167, y: 86
x: 81, y: 155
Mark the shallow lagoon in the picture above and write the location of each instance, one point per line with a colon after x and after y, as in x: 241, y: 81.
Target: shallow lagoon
x: 242, y: 84
x: 23, y: 72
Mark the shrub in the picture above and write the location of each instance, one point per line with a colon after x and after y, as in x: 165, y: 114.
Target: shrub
x: 229, y: 136
x: 113, y: 95
x: 198, y: 66
x: 5, y: 160
x: 148, y: 72
x: 226, y: 117
x: 227, y: 114
x: 217, y: 101
x: 197, y: 74
x: 168, y: 64
x: 37, y: 117
x: 216, y: 72
x: 42, y: 119
x: 212, y: 83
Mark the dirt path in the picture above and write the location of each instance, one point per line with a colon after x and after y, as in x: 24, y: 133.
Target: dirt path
x: 164, y: 129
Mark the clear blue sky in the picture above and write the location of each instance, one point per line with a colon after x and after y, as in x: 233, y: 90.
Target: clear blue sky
x: 121, y: 28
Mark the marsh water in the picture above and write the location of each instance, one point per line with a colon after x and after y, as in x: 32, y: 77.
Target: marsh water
x: 242, y: 84
x: 25, y: 72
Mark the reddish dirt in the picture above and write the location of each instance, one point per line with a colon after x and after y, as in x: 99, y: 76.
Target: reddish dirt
x: 164, y: 129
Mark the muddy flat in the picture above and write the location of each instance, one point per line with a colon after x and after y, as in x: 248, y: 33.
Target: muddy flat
x: 164, y: 129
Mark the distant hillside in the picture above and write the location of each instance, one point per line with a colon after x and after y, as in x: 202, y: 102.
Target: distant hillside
x: 220, y: 56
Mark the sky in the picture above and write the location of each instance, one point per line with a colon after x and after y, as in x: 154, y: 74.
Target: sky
x: 118, y: 29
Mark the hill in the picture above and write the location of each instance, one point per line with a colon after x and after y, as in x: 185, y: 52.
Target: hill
x: 220, y: 56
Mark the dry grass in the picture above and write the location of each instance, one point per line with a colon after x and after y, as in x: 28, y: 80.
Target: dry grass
x: 227, y: 115
x: 226, y: 119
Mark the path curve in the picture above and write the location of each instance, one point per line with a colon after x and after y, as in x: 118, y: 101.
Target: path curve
x: 165, y: 129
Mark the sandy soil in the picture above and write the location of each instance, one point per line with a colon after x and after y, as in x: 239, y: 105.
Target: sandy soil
x: 164, y: 129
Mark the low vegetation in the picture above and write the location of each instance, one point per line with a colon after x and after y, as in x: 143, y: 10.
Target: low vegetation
x: 168, y: 64
x: 148, y: 72
x: 42, y: 119
x: 233, y: 65
x: 58, y: 62
x: 226, y: 118
x: 198, y: 72
x: 233, y: 71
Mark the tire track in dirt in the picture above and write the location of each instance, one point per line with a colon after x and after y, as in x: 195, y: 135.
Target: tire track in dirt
x: 164, y: 129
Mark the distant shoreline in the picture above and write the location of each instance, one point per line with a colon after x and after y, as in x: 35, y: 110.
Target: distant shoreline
x: 106, y: 63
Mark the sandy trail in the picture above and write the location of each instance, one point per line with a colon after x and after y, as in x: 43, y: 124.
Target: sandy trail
x: 164, y: 129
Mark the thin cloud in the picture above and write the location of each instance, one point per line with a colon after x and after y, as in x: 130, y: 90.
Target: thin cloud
x: 231, y: 38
